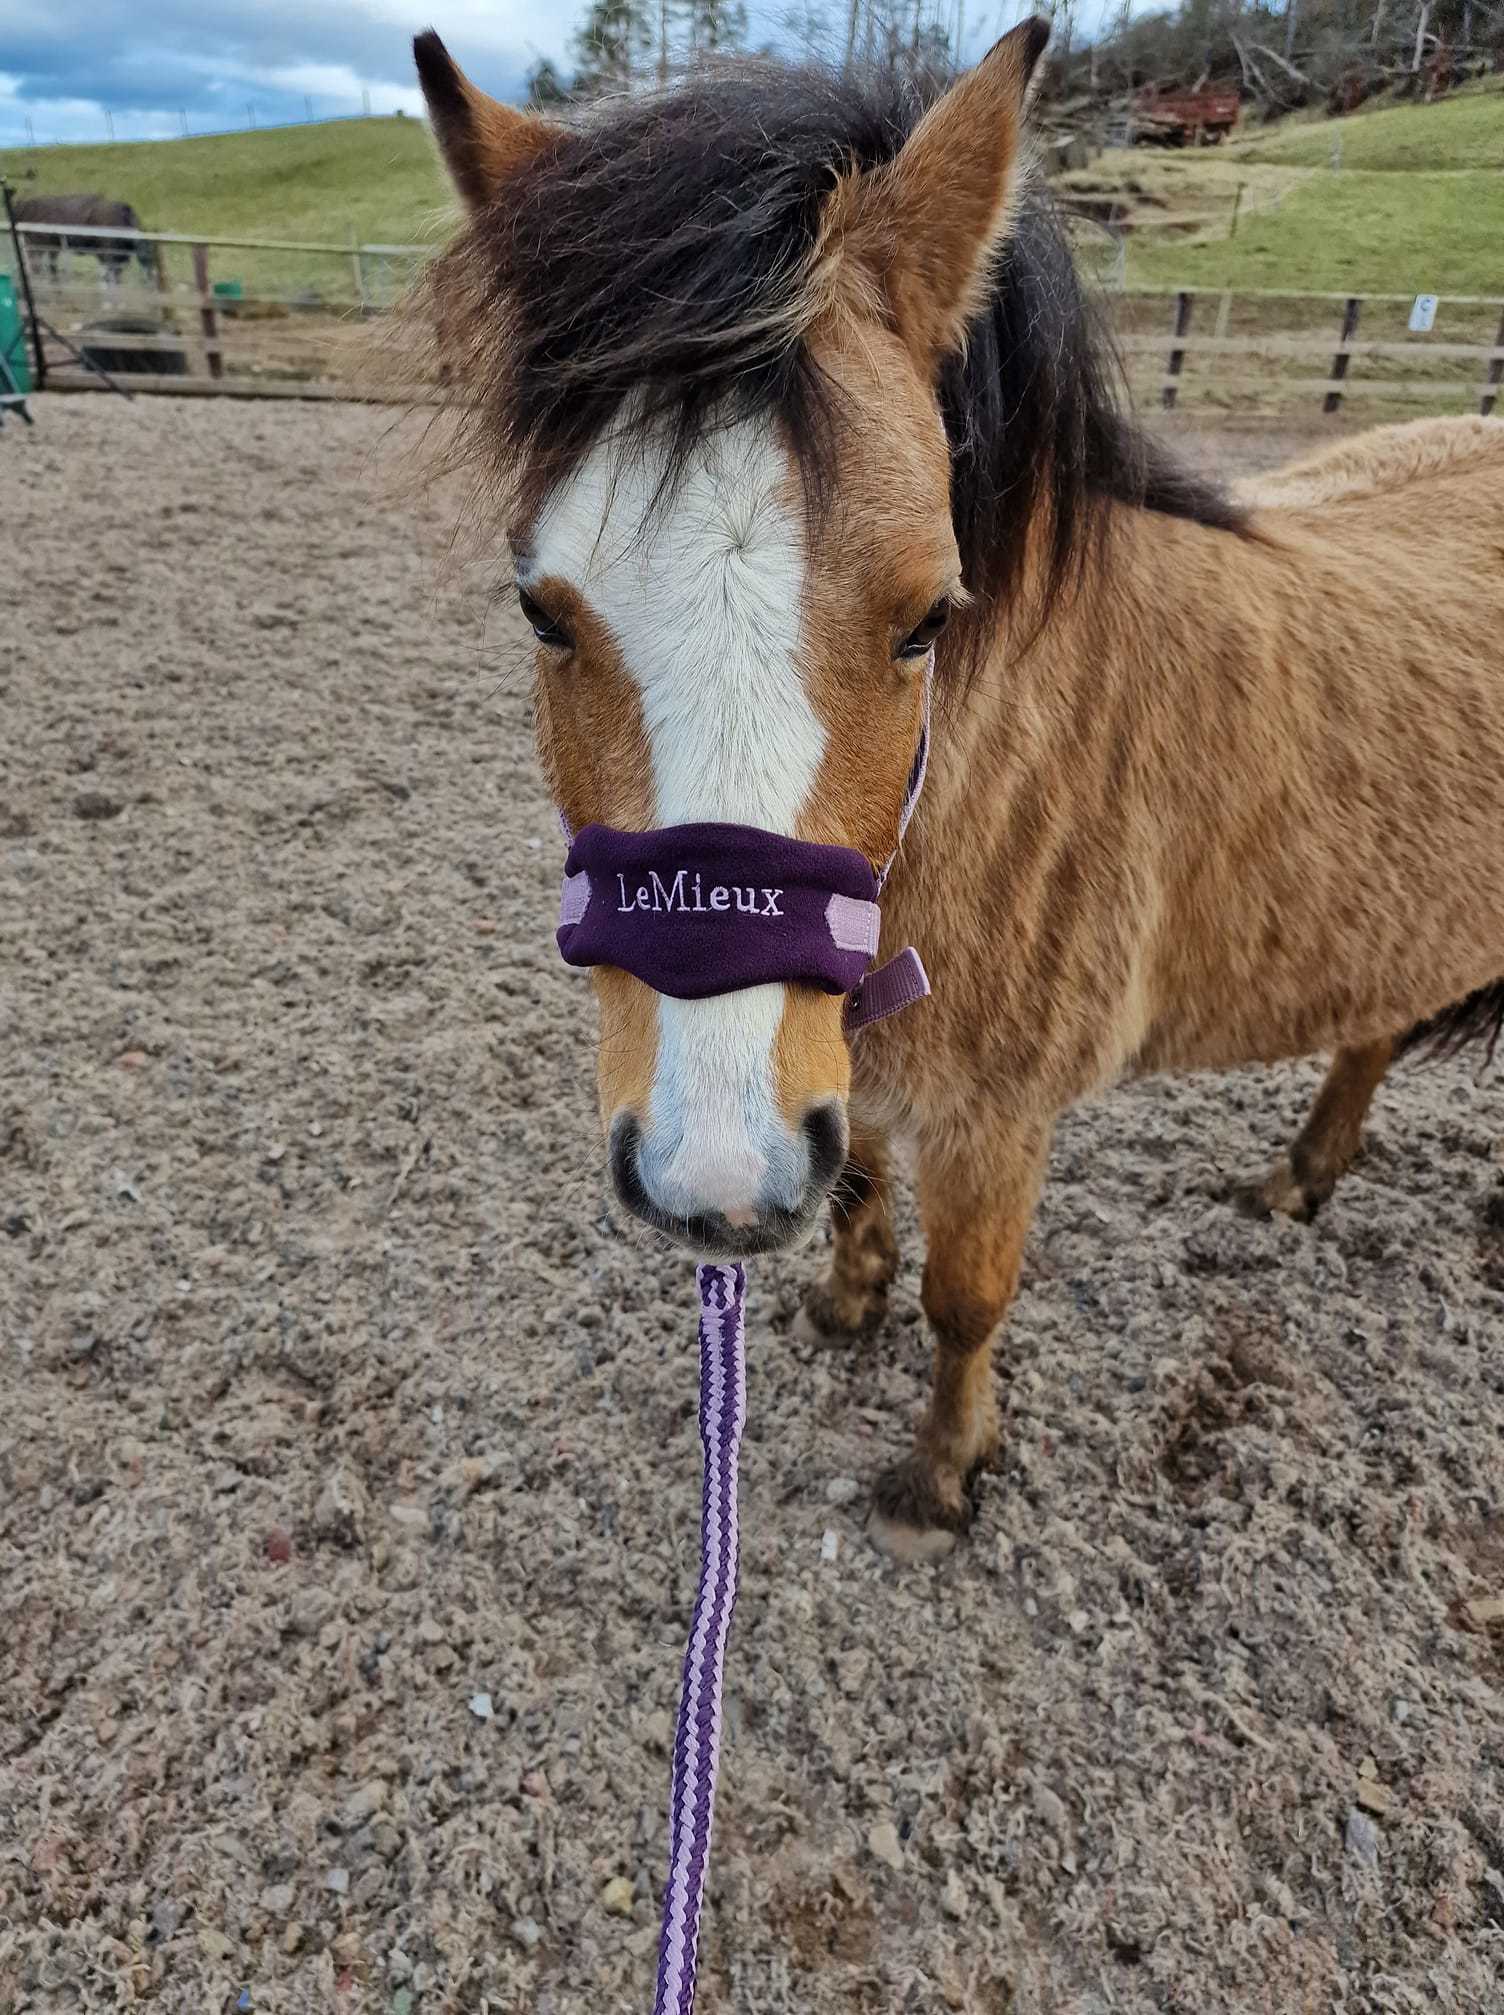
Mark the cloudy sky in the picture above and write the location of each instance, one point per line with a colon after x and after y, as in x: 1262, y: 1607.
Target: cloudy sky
x: 74, y: 69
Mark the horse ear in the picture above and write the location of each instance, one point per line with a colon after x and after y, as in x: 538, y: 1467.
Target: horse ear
x: 482, y: 141
x: 928, y: 225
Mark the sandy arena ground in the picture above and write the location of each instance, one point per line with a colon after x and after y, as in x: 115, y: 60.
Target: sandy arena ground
x: 348, y: 1471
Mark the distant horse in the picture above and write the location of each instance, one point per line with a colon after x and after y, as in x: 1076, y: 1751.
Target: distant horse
x: 781, y: 382
x: 97, y: 213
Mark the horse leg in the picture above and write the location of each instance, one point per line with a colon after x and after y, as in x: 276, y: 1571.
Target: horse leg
x: 975, y: 1199
x: 1300, y: 1182
x: 852, y: 1299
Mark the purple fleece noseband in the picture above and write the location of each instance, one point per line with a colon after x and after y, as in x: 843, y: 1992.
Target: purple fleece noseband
x: 698, y: 910
x: 708, y: 909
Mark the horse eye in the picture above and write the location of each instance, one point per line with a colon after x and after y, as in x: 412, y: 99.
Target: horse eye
x: 545, y: 629
x: 917, y: 643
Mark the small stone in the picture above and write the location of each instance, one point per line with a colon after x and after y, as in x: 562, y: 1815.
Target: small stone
x: 1402, y: 1710
x: 480, y: 1706
x: 338, y: 1879
x: 954, y: 1900
x: 830, y: 1543
x: 308, y: 1612
x: 1373, y: 1796
x: 277, y: 1900
x: 430, y: 1631
x: 410, y: 1515
x: 534, y: 1784
x: 851, y: 1672
x: 402, y: 2001
x: 1484, y: 1610
x: 131, y: 1059
x: 883, y: 1845
x: 96, y: 805
x: 292, y: 1938
x: 842, y: 1490
x: 277, y: 1545
x: 1051, y: 1808
x: 1362, y: 1837
x: 525, y: 1931
x: 1078, y: 1621
x: 362, y: 1804
x: 617, y: 1897
x: 658, y: 1731
x: 214, y: 1944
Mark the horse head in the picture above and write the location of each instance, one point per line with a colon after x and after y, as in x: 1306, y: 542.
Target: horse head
x: 702, y: 336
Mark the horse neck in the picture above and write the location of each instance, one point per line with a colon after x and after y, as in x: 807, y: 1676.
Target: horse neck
x: 1126, y: 697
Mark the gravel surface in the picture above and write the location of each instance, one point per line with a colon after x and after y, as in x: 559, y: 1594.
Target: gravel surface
x: 348, y: 1471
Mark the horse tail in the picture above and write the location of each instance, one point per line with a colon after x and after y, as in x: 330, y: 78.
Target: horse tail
x: 1479, y: 1017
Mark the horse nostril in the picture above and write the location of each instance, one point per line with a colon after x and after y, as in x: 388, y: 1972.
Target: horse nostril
x: 825, y: 1130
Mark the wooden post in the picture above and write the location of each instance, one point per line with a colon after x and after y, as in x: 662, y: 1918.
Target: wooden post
x: 1495, y: 372
x: 356, y: 269
x: 1340, y: 362
x: 1224, y: 312
x: 1184, y: 305
x: 214, y: 363
x: 1237, y: 204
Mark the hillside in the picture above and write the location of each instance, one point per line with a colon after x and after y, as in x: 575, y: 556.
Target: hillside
x: 1369, y: 232
x: 1464, y: 131
x: 375, y: 179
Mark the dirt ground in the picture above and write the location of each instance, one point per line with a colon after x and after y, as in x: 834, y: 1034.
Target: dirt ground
x: 346, y: 1544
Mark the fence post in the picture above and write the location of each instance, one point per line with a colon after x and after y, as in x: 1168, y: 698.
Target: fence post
x: 357, y: 269
x: 1495, y: 372
x: 1184, y: 305
x: 214, y: 363
x: 1340, y: 362
x: 1237, y: 204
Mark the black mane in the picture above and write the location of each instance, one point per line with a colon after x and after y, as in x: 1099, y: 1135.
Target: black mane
x: 657, y: 258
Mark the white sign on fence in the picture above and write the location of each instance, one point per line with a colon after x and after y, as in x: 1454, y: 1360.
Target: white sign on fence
x: 1423, y: 315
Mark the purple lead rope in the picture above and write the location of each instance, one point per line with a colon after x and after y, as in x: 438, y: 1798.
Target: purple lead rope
x: 697, y: 1740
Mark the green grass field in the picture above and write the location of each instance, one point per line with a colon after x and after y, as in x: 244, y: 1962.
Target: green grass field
x: 1355, y: 230
x: 377, y: 179
x: 1465, y: 131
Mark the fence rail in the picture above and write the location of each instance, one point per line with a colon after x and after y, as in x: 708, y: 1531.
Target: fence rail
x: 298, y: 320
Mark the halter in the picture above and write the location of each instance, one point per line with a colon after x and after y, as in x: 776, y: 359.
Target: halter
x: 694, y: 911
x: 698, y: 910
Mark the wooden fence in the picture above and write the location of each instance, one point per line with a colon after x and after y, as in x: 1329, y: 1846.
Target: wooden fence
x: 1457, y: 359
x: 268, y: 317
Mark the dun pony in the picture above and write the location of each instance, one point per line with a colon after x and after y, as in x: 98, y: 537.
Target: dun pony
x: 776, y: 382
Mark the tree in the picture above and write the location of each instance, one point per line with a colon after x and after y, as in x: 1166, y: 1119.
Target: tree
x: 612, y: 42
x: 715, y: 26
x: 545, y: 86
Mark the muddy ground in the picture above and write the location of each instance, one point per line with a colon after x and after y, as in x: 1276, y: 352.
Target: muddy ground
x: 348, y: 1472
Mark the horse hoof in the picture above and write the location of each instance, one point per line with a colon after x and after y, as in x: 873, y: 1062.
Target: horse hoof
x: 917, y: 1513
x: 826, y: 1318
x: 1282, y: 1191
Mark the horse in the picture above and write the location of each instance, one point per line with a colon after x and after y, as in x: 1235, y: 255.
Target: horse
x: 86, y: 215
x: 783, y: 389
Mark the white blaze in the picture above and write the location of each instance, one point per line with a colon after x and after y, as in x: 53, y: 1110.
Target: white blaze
x: 703, y: 593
